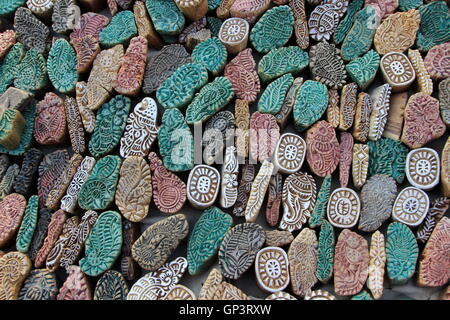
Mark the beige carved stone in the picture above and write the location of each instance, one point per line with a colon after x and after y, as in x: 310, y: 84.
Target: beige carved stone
x: 333, y: 108
x: 278, y: 238
x: 422, y: 168
x: 394, y: 124
x: 226, y: 291
x: 319, y: 295
x: 411, y: 206
x: 180, y: 292
x: 272, y: 269
x: 360, y: 164
x: 347, y: 106
x: 193, y: 9
x: 144, y: 25
x: 289, y: 153
x: 362, y: 117
x: 203, y: 186
x: 397, y: 70
x: 380, y: 108
x: 377, y: 263
x: 445, y: 169
x: 343, y: 208
x: 242, y: 118
x: 234, y: 34
x: 424, y: 82
x: 258, y: 191
x: 210, y: 285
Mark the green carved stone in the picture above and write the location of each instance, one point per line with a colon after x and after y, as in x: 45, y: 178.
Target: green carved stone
x: 320, y: 208
x: 110, y: 124
x: 310, y: 104
x: 360, y: 37
x: 11, y: 127
x: 31, y: 73
x: 62, y: 66
x: 206, y: 237
x: 179, y: 89
x: 214, y: 25
x: 434, y: 26
x: 103, y: 244
x: 28, y: 113
x: 7, y: 7
x: 213, y: 4
x: 211, y: 54
x: 402, y: 252
x: 211, y: 98
x: 273, y: 96
x: 97, y: 193
x: 273, y: 29
x: 363, y: 295
x: 347, y: 22
x: 28, y: 225
x: 405, y: 5
x: 120, y: 30
x: 387, y: 156
x: 280, y: 61
x: 176, y: 143
x: 166, y: 17
x: 8, y: 67
x: 325, y: 253
x: 362, y: 70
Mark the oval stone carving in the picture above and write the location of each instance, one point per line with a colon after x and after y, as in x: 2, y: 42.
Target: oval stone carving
x: 343, y: 208
x: 422, y: 168
x: 12, y: 208
x: 111, y: 286
x: 272, y: 269
x: 152, y: 249
x: 411, y: 206
x: 290, y: 153
x: 40, y: 285
x: 203, y: 186
x: 239, y: 247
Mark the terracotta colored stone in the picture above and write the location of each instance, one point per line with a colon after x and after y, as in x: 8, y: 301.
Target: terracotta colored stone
x: 169, y: 191
x: 248, y: 9
x: 351, y: 263
x: 346, y: 155
x: 423, y: 122
x: 12, y: 209
x: 386, y: 7
x: 76, y: 286
x: 436, y: 61
x: 50, y: 123
x: 241, y: 71
x: 322, y: 149
x: 130, y: 76
x: 264, y: 135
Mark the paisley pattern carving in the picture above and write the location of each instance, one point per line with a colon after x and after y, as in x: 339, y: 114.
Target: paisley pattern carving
x: 212, y: 54
x: 12, y: 209
x: 28, y: 225
x: 434, y: 25
x: 31, y: 72
x: 14, y: 268
x: 323, y: 21
x: 50, y: 122
x: 325, y: 253
x: 273, y: 96
x: 111, y: 286
x: 31, y: 31
x: 41, y: 284
x: 62, y: 66
x: 310, y: 104
x: 264, y: 135
x: 103, y: 244
x: 166, y: 17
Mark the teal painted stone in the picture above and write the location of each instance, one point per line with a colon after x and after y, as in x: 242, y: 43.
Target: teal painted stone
x: 166, y: 17
x: 97, y: 193
x: 7, y: 7
x: 405, y: 5
x: 214, y: 25
x: 362, y: 70
x: 62, y: 66
x: 211, y: 98
x: 280, y: 61
x: 120, y: 30
x: 387, y: 156
x: 110, y: 124
x: 31, y: 73
x: 206, y: 237
x: 320, y: 208
x: 213, y: 4
x: 273, y: 29
x: 363, y: 295
x: 176, y: 143
x: 103, y: 244
x: 310, y: 104
x: 8, y: 67
x: 325, y: 253
x: 402, y: 252
x: 360, y: 37
x: 273, y: 96
x: 28, y: 225
x: 347, y: 22
x: 434, y: 26
x: 29, y: 114
x: 179, y: 89
x: 211, y: 54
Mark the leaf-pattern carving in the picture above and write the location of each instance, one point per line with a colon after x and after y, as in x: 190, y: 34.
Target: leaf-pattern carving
x: 111, y: 286
x: 377, y: 262
x: 325, y: 253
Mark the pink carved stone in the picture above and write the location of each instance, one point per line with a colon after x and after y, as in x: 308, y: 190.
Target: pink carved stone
x: 249, y: 10
x: 7, y: 40
x: 351, y: 263
x: 264, y: 135
x: 322, y: 148
x: 241, y: 71
x: 345, y: 162
x: 384, y: 7
x: 76, y: 286
x: 12, y: 208
x: 85, y: 39
x: 423, y: 121
x: 169, y: 191
x: 437, y: 61
x: 131, y: 73
x: 50, y: 122
x: 54, y: 230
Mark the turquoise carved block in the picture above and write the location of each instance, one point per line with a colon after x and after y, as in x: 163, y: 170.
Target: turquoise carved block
x: 120, y: 30
x: 347, y: 22
x: 31, y: 73
x: 320, y: 208
x: 166, y: 17
x: 62, y: 66
x: 110, y: 124
x: 7, y: 7
x: 325, y: 253
x: 362, y: 70
x: 434, y: 26
x: 387, y: 156
x: 405, y: 5
x: 211, y: 54
x: 273, y: 96
x: 28, y: 225
x: 206, y: 237
x: 310, y: 104
x: 363, y: 295
x: 280, y: 61
x: 402, y: 252
x: 176, y: 143
x: 211, y: 98
x: 8, y: 67
x: 214, y: 25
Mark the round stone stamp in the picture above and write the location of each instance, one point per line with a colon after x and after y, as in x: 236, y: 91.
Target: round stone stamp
x: 343, y: 208
x: 203, y: 186
x: 411, y: 206
x: 271, y: 268
x: 290, y: 153
x: 422, y: 168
